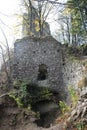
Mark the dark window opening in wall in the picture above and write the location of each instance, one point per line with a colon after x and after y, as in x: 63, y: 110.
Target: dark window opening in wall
x: 42, y: 72
x: 34, y: 52
x: 44, y: 51
x: 58, y: 50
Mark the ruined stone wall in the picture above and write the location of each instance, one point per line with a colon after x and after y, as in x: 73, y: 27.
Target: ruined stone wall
x: 74, y: 75
x: 72, y: 72
x: 62, y: 71
x: 26, y: 30
x: 31, y: 52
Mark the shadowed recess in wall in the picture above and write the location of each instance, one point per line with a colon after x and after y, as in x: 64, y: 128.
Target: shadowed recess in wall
x: 42, y: 72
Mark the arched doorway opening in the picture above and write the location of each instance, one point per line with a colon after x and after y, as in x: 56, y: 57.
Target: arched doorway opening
x: 42, y: 72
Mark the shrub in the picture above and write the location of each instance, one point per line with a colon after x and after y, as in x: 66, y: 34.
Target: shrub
x: 30, y: 93
x: 73, y: 95
x: 64, y: 107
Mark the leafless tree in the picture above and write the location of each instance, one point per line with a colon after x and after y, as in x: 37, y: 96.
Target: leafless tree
x: 5, y: 53
x: 42, y: 11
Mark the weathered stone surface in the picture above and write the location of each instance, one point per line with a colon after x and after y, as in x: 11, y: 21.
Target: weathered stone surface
x: 31, y: 52
x: 72, y: 72
x: 61, y: 72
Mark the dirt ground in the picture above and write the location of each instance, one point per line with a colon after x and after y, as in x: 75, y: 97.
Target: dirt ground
x: 14, y: 118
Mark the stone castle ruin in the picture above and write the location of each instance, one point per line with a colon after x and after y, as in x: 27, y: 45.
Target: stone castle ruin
x: 27, y: 30
x: 41, y: 60
x: 32, y: 23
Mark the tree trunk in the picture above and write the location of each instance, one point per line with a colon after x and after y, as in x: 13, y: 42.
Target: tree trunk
x: 82, y: 17
x: 30, y: 12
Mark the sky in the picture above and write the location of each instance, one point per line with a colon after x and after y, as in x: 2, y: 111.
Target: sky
x: 8, y: 6
x: 7, y: 18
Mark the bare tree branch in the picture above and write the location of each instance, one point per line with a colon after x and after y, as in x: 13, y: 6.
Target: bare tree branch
x: 7, y: 45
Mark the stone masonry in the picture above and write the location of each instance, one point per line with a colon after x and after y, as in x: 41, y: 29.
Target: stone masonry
x: 41, y: 60
x: 30, y: 53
